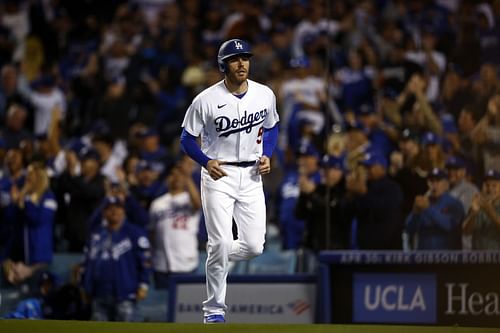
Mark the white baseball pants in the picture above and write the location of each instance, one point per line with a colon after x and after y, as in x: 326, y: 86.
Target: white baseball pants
x: 239, y: 195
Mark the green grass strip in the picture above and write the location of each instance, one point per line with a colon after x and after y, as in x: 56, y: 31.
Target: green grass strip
x: 56, y: 326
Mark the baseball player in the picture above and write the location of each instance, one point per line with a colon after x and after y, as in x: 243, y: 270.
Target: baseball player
x: 238, y: 124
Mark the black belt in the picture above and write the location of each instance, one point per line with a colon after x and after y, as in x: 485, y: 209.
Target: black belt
x: 241, y: 164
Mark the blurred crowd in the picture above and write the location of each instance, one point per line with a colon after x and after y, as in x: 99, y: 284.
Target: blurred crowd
x: 389, y: 132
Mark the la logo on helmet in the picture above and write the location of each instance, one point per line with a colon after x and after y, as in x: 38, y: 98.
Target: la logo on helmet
x: 238, y: 45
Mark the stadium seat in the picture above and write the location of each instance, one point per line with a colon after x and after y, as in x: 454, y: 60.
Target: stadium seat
x: 63, y: 264
x: 201, y: 263
x: 307, y: 261
x: 154, y: 307
x: 274, y: 262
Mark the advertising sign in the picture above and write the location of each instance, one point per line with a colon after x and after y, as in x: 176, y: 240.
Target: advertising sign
x: 250, y: 299
x: 394, y: 298
x: 421, y: 287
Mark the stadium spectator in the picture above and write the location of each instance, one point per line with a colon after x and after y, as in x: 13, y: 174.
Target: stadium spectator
x: 114, y: 108
x: 436, y: 219
x: 357, y: 143
x: 418, y: 113
x: 487, y: 133
x: 52, y: 300
x: 379, y: 132
x: 460, y: 186
x: 111, y: 154
x: 45, y: 96
x: 432, y: 154
x: 10, y: 94
x: 175, y: 218
x: 355, y: 82
x: 32, y: 248
x: 15, y: 130
x: 151, y: 150
x: 483, y: 218
x: 466, y: 148
x: 149, y: 186
x: 83, y: 188
x: 489, y: 33
x: 116, y: 268
x: 307, y: 167
x: 135, y: 212
x: 300, y: 97
x: 324, y: 230
x: 374, y: 203
x: 406, y: 170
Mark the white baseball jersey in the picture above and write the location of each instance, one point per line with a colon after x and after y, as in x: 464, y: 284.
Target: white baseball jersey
x: 231, y: 128
x: 175, y: 224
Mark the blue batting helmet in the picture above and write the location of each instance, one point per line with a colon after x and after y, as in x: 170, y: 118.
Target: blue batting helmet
x: 231, y: 48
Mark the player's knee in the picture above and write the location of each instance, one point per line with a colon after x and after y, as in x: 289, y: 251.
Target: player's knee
x: 221, y: 249
x: 255, y: 250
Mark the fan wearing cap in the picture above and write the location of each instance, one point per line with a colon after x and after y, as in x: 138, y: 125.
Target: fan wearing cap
x: 406, y: 155
x: 436, y: 219
x: 175, y: 218
x: 117, y: 264
x: 324, y: 230
x: 406, y: 170
x: 152, y: 150
x: 306, y: 172
x: 149, y: 186
x: 83, y: 185
x: 483, y: 218
x: 432, y: 155
x: 374, y: 205
x: 460, y: 187
x: 302, y: 94
x: 379, y: 133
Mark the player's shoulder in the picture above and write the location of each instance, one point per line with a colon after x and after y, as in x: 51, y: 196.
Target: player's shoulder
x: 209, y: 92
x: 262, y: 88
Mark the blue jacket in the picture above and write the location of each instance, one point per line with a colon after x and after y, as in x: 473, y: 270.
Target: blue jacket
x: 439, y: 226
x: 116, y: 262
x: 288, y: 194
x: 38, y: 223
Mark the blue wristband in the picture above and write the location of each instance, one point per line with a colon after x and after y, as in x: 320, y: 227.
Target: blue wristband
x: 270, y: 140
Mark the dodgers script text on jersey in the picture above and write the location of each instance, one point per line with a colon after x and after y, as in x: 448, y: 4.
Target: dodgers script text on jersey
x: 232, y: 128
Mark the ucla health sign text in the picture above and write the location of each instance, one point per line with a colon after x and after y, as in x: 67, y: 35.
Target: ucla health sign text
x: 394, y: 298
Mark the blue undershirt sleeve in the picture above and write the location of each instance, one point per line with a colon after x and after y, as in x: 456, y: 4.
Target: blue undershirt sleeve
x: 192, y: 149
x: 270, y: 140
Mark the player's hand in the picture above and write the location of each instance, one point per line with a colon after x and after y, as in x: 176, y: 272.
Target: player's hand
x: 305, y: 185
x: 421, y: 203
x: 142, y: 293
x: 214, y: 169
x: 476, y: 203
x: 264, y: 165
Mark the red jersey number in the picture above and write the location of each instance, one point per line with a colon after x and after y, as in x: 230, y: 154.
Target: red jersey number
x: 259, y: 135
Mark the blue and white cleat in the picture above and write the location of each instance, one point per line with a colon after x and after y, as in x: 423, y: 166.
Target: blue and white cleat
x: 214, y: 319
